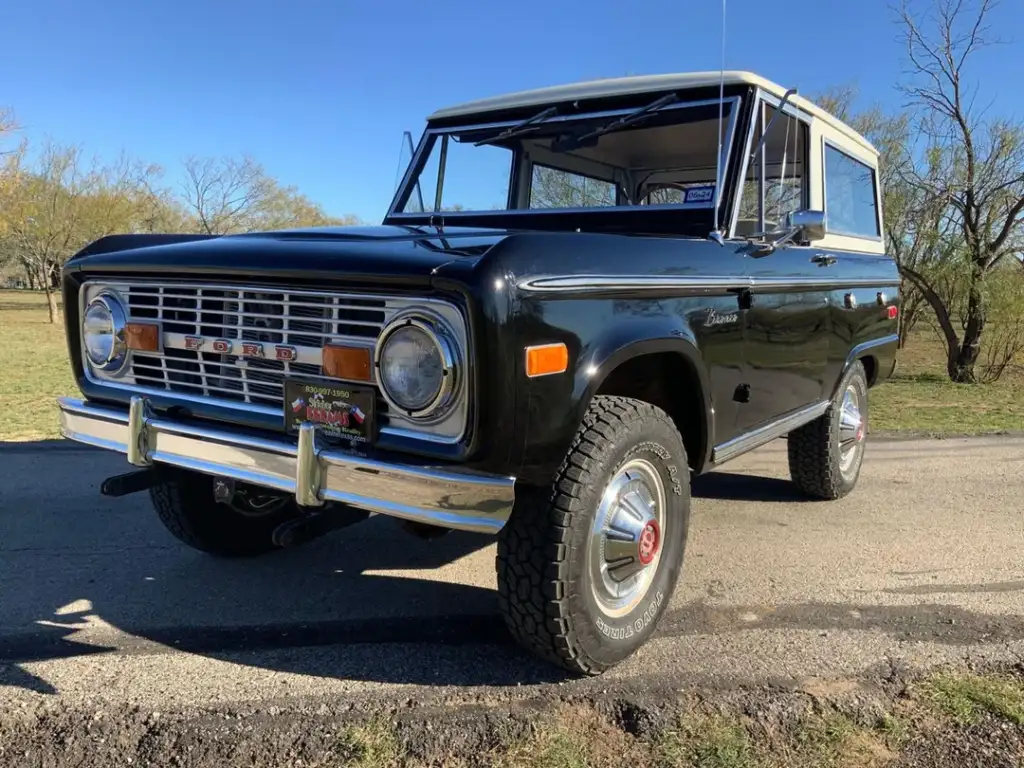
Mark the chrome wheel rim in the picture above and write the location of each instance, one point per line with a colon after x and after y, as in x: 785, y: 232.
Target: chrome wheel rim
x: 626, y: 539
x: 851, y: 430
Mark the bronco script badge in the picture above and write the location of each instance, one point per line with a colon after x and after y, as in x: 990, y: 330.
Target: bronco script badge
x: 714, y: 318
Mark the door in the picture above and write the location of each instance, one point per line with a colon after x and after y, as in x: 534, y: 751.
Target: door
x: 787, y: 325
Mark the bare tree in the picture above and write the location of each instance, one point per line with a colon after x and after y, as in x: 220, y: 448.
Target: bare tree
x: 972, y: 166
x: 228, y: 195
x: 554, y: 188
x: 225, y: 194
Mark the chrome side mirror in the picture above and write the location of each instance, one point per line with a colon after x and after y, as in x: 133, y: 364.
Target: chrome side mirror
x: 806, y: 225
x: 800, y: 225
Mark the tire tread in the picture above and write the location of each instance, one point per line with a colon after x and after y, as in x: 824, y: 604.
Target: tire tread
x: 532, y: 561
x: 813, y: 454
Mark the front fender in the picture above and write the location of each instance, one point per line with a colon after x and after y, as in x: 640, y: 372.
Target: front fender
x: 555, y: 405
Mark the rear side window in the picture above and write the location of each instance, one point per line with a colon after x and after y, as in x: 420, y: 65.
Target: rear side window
x: 851, y: 204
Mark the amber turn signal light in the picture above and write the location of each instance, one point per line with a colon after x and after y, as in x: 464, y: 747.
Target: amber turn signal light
x: 352, y: 363
x: 545, y: 359
x: 144, y: 337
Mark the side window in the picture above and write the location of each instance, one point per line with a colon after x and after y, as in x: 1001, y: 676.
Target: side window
x: 556, y: 188
x: 851, y: 205
x: 776, y: 182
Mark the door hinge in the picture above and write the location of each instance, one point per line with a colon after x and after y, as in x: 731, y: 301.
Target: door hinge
x: 742, y: 394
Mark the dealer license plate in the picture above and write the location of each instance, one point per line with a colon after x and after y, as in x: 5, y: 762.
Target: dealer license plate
x: 338, y: 410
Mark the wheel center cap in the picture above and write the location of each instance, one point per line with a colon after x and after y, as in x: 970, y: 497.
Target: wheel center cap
x: 860, y: 433
x: 650, y: 540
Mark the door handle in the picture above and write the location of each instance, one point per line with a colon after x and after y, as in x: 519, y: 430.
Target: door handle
x: 823, y: 259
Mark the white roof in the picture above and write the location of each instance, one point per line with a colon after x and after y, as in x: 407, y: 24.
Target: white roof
x: 623, y: 86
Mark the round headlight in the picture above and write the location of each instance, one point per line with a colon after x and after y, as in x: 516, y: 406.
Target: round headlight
x: 103, y: 333
x: 415, y: 367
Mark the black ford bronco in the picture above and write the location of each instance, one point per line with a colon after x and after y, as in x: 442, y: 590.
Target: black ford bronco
x: 579, y: 297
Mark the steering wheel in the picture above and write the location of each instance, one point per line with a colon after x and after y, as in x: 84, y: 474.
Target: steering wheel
x: 644, y: 200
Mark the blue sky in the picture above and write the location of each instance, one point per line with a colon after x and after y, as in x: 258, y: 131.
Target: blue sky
x: 320, y: 91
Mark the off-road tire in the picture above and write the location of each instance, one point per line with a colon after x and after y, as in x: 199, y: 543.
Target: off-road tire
x: 185, y: 504
x: 544, y: 590
x: 814, y: 455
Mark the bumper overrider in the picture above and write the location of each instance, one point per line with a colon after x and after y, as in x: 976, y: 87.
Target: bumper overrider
x: 445, y: 497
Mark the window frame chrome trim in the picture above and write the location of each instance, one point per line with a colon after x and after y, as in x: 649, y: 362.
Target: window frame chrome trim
x: 760, y: 98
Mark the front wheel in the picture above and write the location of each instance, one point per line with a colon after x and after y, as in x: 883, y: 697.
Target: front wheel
x: 185, y: 503
x: 825, y: 456
x: 587, y: 565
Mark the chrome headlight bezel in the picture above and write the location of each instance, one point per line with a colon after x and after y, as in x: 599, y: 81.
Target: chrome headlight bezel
x: 435, y: 329
x: 117, y: 359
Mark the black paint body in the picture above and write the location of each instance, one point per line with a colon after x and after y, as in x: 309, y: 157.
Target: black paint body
x: 791, y: 345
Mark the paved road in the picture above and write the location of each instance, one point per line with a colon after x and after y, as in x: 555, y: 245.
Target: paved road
x: 99, y: 606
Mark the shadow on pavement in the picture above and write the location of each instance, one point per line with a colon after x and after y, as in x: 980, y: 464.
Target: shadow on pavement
x: 366, y: 603
x: 71, y: 559
x: 730, y: 486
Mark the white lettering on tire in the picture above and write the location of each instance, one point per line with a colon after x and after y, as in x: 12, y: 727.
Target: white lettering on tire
x: 637, y: 625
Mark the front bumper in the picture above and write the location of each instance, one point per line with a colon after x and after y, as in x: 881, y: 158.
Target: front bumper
x: 450, y: 498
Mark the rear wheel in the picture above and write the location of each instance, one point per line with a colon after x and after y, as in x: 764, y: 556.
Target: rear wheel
x: 825, y: 456
x: 186, y: 505
x: 587, y: 565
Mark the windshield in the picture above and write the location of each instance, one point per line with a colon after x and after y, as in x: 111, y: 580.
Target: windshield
x: 664, y: 157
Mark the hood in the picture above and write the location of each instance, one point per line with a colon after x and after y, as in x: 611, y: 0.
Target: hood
x: 357, y: 254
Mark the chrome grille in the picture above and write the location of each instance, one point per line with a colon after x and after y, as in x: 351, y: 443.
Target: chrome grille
x: 293, y: 318
x: 301, y: 319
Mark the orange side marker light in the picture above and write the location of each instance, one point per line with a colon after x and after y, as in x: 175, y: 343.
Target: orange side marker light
x: 546, y: 359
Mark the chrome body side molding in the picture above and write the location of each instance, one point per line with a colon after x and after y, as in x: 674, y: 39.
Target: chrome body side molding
x: 767, y: 433
x: 697, y: 285
x: 446, y: 497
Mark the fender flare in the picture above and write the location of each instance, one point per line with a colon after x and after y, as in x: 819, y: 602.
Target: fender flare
x: 629, y: 341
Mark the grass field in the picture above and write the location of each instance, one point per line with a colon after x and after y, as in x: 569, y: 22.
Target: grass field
x: 34, y: 367
x: 919, y: 400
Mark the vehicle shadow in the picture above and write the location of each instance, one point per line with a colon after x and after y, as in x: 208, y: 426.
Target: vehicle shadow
x: 364, y: 597
x: 730, y: 486
x: 368, y: 603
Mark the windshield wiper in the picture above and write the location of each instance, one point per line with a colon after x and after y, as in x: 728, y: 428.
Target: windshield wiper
x: 566, y: 143
x: 520, y: 128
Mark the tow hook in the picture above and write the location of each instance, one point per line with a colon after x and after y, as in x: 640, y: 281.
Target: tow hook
x: 130, y: 482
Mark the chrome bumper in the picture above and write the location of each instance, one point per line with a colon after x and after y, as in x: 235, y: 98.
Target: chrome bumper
x: 439, y: 496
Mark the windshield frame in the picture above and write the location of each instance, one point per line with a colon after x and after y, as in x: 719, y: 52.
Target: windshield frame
x: 432, y: 134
